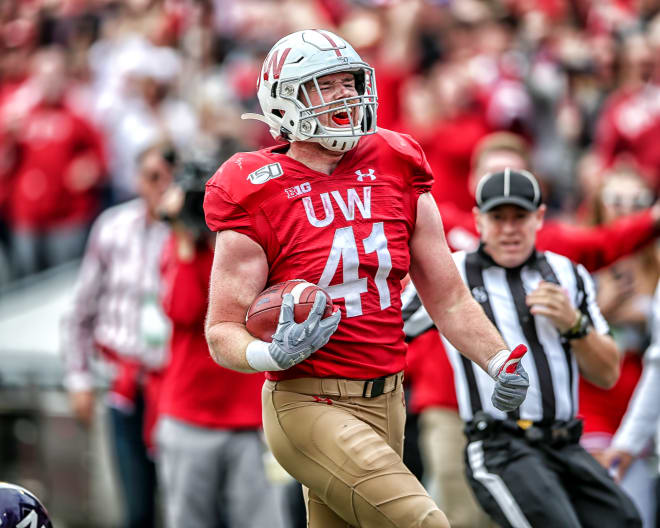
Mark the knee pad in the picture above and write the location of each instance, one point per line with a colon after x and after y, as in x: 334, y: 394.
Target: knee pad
x: 408, y: 507
x: 435, y: 519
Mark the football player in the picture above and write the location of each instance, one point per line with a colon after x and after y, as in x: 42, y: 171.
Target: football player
x: 346, y: 206
x: 19, y: 508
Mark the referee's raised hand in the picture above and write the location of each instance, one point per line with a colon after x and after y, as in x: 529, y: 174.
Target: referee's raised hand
x: 511, y: 379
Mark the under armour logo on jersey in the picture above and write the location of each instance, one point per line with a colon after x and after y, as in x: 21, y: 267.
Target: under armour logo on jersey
x: 265, y: 173
x: 479, y: 293
x: 369, y: 175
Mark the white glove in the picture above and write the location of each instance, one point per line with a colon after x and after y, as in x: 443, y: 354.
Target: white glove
x: 511, y: 379
x: 293, y: 342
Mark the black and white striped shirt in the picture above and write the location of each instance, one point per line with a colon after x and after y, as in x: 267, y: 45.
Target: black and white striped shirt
x: 116, y: 303
x: 552, y: 368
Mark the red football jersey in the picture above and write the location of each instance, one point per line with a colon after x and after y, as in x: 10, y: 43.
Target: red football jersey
x: 348, y: 232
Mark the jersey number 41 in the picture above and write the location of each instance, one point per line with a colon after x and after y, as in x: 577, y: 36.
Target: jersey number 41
x: 345, y: 249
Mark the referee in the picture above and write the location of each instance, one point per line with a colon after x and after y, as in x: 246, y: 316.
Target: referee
x: 526, y: 467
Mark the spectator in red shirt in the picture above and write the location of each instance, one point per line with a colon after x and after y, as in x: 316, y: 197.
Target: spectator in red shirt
x: 459, y: 127
x: 629, y: 125
x: 58, y: 164
x: 15, y: 44
x: 208, y: 436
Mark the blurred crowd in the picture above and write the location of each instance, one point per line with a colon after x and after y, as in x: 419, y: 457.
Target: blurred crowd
x: 87, y: 87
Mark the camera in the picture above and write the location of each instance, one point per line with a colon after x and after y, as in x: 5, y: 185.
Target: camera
x: 190, y: 179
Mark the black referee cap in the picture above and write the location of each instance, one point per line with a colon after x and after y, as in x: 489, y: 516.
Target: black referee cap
x: 511, y: 187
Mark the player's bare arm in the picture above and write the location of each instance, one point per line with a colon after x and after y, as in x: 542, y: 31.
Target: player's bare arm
x: 444, y: 294
x: 239, y: 274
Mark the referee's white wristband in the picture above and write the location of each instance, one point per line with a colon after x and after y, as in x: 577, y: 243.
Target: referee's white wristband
x: 258, y: 356
x: 496, y: 362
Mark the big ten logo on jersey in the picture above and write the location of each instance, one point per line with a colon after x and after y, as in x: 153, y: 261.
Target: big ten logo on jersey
x: 346, y: 250
x: 265, y: 173
x: 297, y: 190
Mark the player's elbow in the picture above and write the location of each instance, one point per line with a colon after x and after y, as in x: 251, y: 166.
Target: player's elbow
x: 211, y: 332
x: 458, y: 300
x: 226, y: 349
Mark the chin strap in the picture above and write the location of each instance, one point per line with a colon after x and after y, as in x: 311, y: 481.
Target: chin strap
x: 256, y: 117
x: 331, y: 142
x: 264, y: 119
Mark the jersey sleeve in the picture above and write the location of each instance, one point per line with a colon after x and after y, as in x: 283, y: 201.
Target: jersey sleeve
x: 222, y: 211
x: 421, y: 175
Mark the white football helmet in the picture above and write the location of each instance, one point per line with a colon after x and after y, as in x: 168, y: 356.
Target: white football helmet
x: 304, y: 57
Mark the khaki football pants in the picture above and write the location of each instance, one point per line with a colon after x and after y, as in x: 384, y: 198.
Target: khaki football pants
x: 442, y: 444
x: 346, y: 451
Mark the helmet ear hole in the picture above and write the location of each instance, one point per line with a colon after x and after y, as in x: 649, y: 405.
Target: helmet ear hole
x: 359, y: 82
x: 273, y: 90
x: 367, y: 121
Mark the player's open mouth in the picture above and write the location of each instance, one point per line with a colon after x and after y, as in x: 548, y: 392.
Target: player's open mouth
x: 341, y: 118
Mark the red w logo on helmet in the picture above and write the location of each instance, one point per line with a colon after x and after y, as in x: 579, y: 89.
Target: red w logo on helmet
x: 274, y: 65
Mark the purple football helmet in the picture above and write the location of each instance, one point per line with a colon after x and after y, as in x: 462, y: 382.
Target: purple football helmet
x: 19, y: 508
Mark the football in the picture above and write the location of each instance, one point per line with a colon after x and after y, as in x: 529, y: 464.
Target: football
x: 264, y: 312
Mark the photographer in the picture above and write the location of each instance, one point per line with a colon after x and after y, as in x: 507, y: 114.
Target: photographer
x: 208, y: 433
